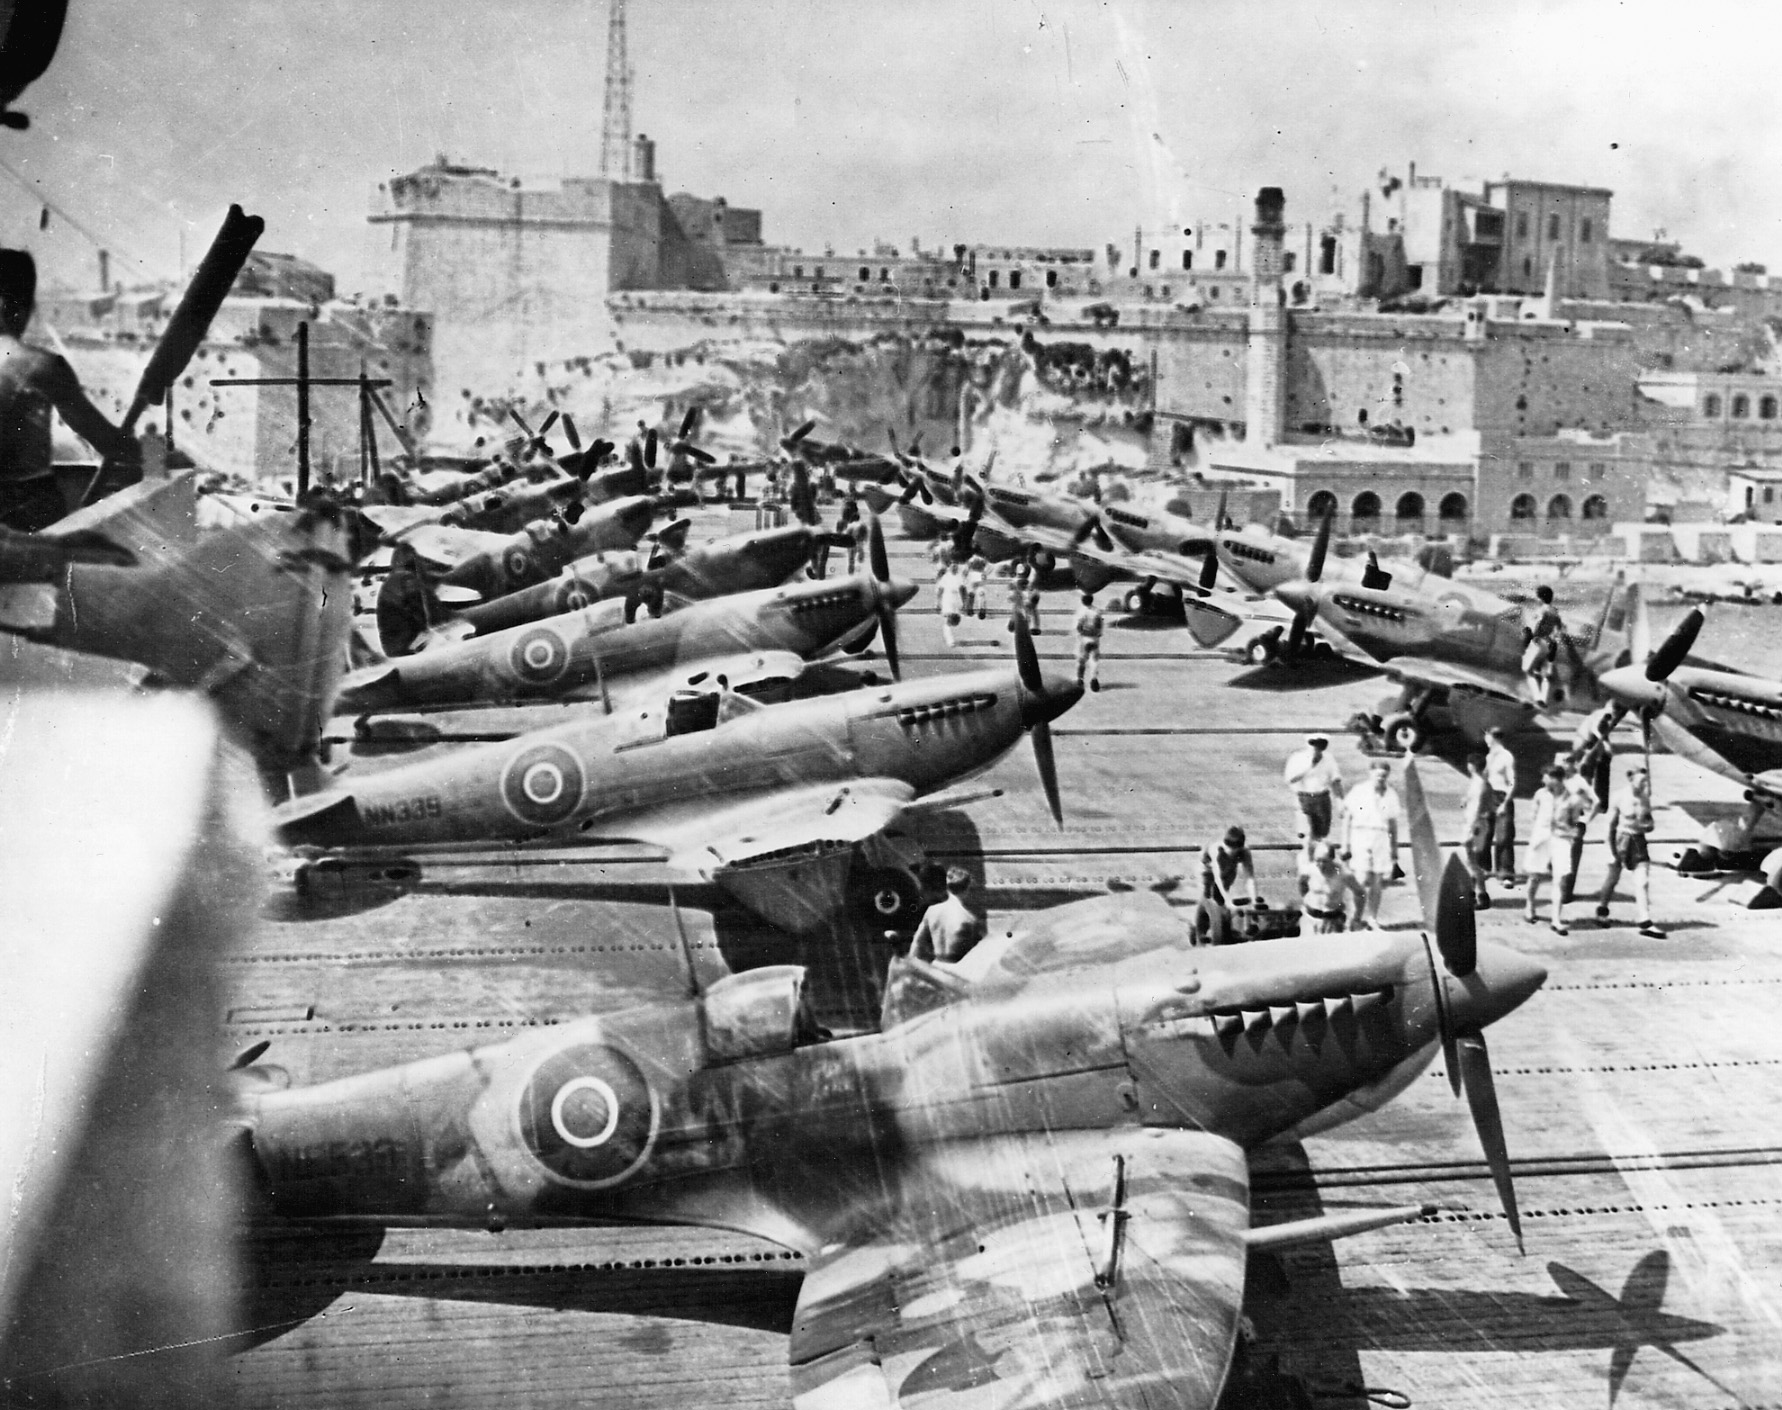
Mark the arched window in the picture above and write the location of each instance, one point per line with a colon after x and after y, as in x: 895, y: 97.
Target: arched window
x: 1410, y: 506
x: 1366, y: 506
x: 994, y: 277
x: 1522, y: 507
x: 1766, y: 408
x: 1051, y: 279
x: 1322, y: 503
x: 1559, y: 507
x: 1453, y: 506
x: 1014, y: 279
x: 1596, y: 507
x: 1741, y: 407
x: 1710, y: 405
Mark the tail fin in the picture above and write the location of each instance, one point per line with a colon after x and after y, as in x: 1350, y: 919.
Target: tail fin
x: 254, y: 616
x: 1622, y: 610
x: 406, y: 604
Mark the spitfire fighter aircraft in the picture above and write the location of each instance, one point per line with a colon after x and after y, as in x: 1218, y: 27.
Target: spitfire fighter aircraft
x: 1726, y: 721
x: 1029, y: 1187
x: 596, y: 654
x: 409, y: 605
x: 256, y: 617
x: 1447, y: 644
x: 763, y: 800
x: 492, y: 565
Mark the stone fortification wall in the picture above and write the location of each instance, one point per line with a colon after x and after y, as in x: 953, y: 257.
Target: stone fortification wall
x: 1537, y: 380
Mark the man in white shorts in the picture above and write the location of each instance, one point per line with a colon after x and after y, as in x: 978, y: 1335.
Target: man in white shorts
x: 1374, y: 817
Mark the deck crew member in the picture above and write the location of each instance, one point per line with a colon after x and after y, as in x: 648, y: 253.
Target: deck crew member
x: 1500, y: 773
x: 1480, y: 823
x: 949, y: 591
x: 1317, y: 784
x: 1088, y: 628
x: 1225, y: 866
x: 1630, y: 823
x: 949, y: 927
x: 1375, y: 816
x: 1326, y: 886
x: 1561, y: 811
x: 32, y: 384
x: 1541, y: 652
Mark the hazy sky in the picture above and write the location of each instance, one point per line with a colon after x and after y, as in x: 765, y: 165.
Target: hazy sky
x: 1030, y: 121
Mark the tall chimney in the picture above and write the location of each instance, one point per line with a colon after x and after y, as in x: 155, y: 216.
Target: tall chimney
x: 1266, y: 368
x: 105, y: 271
x: 643, y: 166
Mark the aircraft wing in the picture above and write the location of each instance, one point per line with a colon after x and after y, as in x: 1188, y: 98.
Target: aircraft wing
x: 1446, y: 675
x: 1682, y: 741
x: 1052, y: 1269
x: 443, y: 547
x: 705, y: 838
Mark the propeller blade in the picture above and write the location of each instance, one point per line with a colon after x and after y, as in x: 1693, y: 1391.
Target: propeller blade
x: 1026, y: 658
x: 891, y: 435
x: 910, y: 491
x: 1320, y: 548
x: 1041, y: 735
x: 693, y: 452
x: 916, y: 445
x: 689, y: 422
x: 1209, y: 570
x: 1296, y: 634
x: 788, y: 442
x: 876, y: 557
x: 1456, y: 920
x: 1426, y: 852
x: 1675, y: 647
x: 649, y: 452
x: 634, y: 456
x: 575, y: 440
x: 1481, y: 1096
x: 1639, y: 630
x: 1219, y: 514
x: 549, y: 421
x: 520, y: 421
x: 1089, y: 525
x: 888, y: 636
x: 1102, y: 539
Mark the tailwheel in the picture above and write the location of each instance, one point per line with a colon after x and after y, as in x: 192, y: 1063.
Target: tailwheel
x: 887, y: 898
x: 1405, y: 733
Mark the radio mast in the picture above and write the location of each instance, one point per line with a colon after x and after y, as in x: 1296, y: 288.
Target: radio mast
x: 615, y: 134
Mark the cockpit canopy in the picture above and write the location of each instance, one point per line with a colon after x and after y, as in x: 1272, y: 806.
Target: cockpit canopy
x: 757, y: 1014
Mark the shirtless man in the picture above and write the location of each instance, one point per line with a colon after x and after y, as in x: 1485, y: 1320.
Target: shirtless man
x: 32, y: 384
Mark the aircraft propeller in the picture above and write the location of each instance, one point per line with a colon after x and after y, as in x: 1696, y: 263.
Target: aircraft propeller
x: 1039, y: 707
x: 880, y: 562
x: 791, y: 442
x: 683, y: 442
x: 1305, y: 612
x: 1446, y: 893
x: 1641, y: 685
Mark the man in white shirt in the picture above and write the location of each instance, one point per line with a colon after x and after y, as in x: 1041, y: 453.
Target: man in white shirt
x: 1326, y: 886
x: 1561, y: 811
x: 1316, y: 783
x: 949, y: 591
x: 1500, y: 774
x: 1375, y: 816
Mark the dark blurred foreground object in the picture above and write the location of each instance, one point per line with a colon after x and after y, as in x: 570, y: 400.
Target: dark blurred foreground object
x: 129, y: 863
x: 32, y: 30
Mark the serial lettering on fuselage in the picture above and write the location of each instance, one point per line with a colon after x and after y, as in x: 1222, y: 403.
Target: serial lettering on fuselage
x: 396, y: 812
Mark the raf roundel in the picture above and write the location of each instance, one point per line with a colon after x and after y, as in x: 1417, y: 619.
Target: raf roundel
x: 539, y: 656
x: 575, y: 594
x: 543, y: 784
x: 517, y: 562
x: 588, y: 1115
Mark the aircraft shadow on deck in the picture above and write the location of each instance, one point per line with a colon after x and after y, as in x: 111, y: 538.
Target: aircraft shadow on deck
x: 1313, y: 674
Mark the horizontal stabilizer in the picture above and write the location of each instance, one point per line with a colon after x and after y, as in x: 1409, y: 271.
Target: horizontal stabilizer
x: 1327, y: 1227
x: 455, y: 596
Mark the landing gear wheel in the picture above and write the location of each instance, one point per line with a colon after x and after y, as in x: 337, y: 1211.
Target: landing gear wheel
x: 1323, y: 651
x: 888, y: 898
x: 1209, y: 923
x: 1043, y: 560
x: 1138, y: 602
x: 1259, y: 651
x: 1404, y: 733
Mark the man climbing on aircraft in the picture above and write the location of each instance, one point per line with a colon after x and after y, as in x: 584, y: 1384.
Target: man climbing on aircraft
x: 1542, y: 650
x: 32, y: 384
x: 949, y: 927
x: 1375, y: 817
x: 1630, y: 821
